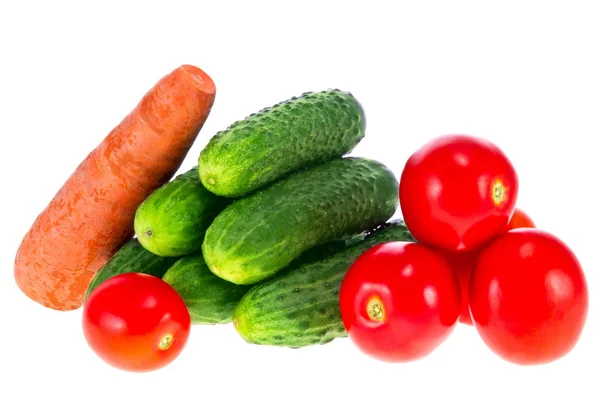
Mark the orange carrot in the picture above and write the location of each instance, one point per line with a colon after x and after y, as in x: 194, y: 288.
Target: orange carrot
x: 92, y: 215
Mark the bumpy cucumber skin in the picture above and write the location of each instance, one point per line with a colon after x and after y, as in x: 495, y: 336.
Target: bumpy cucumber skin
x: 210, y: 300
x: 132, y: 257
x: 258, y: 235
x: 300, y: 307
x: 297, y: 133
x: 172, y: 221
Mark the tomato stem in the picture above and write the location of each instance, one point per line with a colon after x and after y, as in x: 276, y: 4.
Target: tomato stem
x: 375, y: 310
x: 498, y: 192
x: 165, y: 342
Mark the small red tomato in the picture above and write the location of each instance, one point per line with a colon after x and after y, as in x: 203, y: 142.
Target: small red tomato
x: 519, y: 219
x: 458, y: 192
x: 136, y: 322
x: 528, y: 297
x: 399, y: 301
x: 462, y: 264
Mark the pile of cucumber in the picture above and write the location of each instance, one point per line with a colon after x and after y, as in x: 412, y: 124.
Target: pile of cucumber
x: 262, y: 232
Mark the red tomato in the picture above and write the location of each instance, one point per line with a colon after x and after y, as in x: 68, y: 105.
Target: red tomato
x: 458, y: 192
x: 519, y: 220
x: 399, y: 301
x: 528, y: 297
x: 462, y: 264
x: 136, y: 322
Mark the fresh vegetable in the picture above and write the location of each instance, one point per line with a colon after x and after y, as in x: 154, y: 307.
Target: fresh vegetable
x: 529, y: 297
x: 173, y: 220
x: 136, y: 322
x: 260, y: 234
x: 209, y: 299
x: 278, y: 232
x: 300, y: 307
x: 132, y: 257
x: 458, y: 192
x: 91, y: 216
x: 291, y: 135
x: 399, y: 301
x: 520, y: 219
x: 464, y: 262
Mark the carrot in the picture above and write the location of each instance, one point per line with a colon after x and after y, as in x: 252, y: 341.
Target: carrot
x: 92, y: 215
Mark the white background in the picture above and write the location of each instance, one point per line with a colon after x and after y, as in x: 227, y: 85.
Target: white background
x: 525, y: 75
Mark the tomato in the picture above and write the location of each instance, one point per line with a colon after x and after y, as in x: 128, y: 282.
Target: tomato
x: 462, y: 264
x: 399, y: 301
x: 136, y: 322
x: 457, y: 192
x: 519, y: 219
x: 528, y: 297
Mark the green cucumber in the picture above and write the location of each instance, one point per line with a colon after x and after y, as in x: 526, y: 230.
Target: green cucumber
x: 258, y: 235
x: 301, y: 307
x: 301, y: 132
x: 172, y: 221
x: 131, y: 257
x: 209, y: 299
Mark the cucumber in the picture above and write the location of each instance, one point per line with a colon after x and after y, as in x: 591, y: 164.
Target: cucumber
x: 294, y: 134
x: 301, y: 307
x: 258, y: 235
x: 172, y: 221
x: 131, y: 257
x: 209, y: 299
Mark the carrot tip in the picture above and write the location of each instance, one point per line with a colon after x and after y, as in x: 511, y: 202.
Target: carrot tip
x: 200, y: 78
